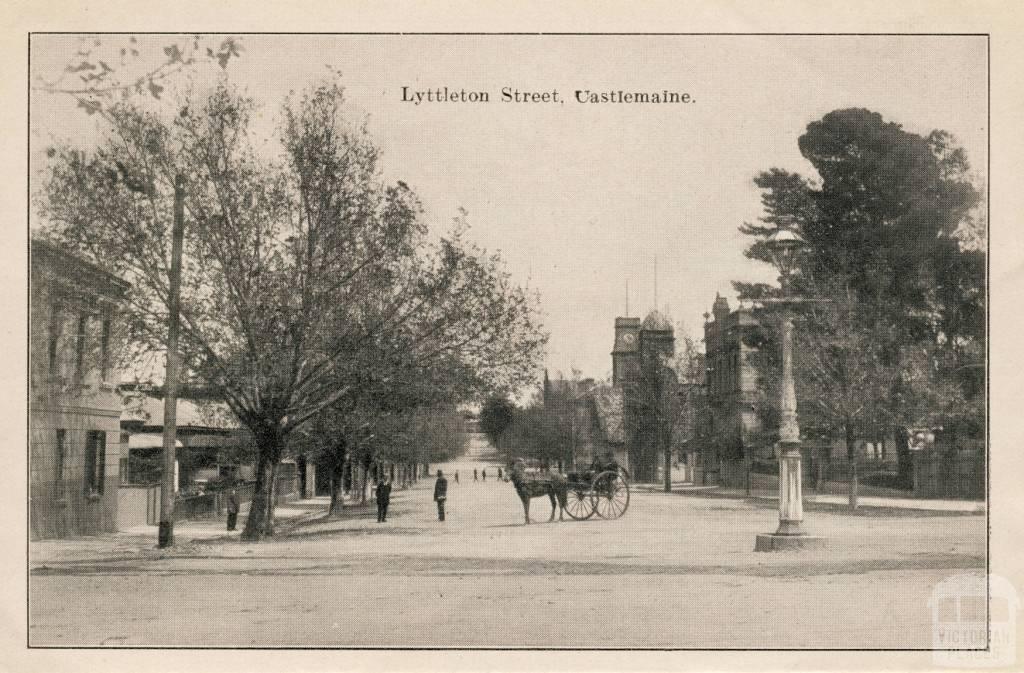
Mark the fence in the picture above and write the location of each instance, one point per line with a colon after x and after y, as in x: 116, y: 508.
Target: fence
x: 949, y: 474
x: 139, y: 505
x: 286, y: 489
x: 215, y: 504
x: 957, y: 474
x: 195, y: 506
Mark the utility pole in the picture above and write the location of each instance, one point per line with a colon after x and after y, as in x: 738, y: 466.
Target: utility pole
x: 166, y: 533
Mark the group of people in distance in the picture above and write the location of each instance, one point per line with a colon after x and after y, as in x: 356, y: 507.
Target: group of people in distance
x: 382, y: 495
x: 382, y: 492
x: 482, y: 473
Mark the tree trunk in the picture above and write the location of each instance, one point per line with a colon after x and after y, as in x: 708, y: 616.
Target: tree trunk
x: 904, y: 461
x: 819, y: 476
x: 851, y: 456
x: 362, y: 484
x: 337, y: 501
x: 266, y: 459
x: 268, y: 520
x: 336, y: 505
x: 668, y: 470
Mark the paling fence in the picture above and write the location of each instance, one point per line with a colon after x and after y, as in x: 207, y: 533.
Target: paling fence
x: 948, y: 474
x: 140, y: 504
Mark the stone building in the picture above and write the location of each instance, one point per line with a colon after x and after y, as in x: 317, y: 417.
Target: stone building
x: 730, y: 338
x: 74, y: 407
x: 650, y: 391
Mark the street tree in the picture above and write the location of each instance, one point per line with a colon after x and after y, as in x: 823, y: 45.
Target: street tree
x: 893, y: 217
x: 105, y: 70
x: 97, y: 85
x: 535, y: 433
x: 566, y: 402
x: 496, y: 415
x: 652, y: 410
x: 843, y: 373
x: 296, y: 266
x: 687, y: 414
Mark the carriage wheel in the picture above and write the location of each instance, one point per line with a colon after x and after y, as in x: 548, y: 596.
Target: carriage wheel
x: 610, y: 494
x: 578, y: 503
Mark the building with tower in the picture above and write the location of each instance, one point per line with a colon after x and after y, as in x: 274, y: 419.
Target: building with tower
x: 650, y: 390
x: 643, y: 379
x: 626, y: 352
x: 626, y: 419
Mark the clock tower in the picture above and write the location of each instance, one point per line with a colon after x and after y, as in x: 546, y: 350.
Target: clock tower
x: 626, y: 353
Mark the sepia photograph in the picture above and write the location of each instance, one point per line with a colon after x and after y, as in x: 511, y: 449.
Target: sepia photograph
x: 509, y: 341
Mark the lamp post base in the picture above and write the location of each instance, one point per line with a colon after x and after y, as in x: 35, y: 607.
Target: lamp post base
x: 799, y: 542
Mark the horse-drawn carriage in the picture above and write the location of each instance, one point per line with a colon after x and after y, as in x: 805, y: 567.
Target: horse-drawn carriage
x: 604, y: 492
x: 603, y: 489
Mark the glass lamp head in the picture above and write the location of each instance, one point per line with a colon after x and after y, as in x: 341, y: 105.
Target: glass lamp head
x: 784, y: 244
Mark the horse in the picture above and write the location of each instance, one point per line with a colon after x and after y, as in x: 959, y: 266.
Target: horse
x: 556, y: 488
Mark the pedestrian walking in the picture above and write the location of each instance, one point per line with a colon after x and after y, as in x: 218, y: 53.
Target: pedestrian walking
x: 499, y: 474
x: 383, y: 499
x: 456, y: 476
x: 485, y: 475
x: 232, y: 509
x: 440, y: 494
x: 474, y: 475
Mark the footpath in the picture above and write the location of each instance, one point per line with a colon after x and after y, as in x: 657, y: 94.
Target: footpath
x: 811, y: 498
x: 140, y: 541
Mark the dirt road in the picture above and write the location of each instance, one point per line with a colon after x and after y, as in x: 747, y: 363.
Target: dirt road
x: 673, y: 572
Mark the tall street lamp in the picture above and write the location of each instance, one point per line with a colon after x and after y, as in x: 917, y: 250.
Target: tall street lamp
x: 784, y: 245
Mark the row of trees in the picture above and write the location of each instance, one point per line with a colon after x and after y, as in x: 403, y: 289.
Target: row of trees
x: 897, y: 339
x: 315, y: 301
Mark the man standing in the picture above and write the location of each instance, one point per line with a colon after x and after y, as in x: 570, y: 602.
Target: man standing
x: 474, y: 475
x: 456, y: 476
x: 484, y: 473
x: 383, y: 499
x: 232, y: 509
x: 440, y: 494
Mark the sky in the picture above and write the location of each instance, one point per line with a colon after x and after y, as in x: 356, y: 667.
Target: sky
x: 583, y: 200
